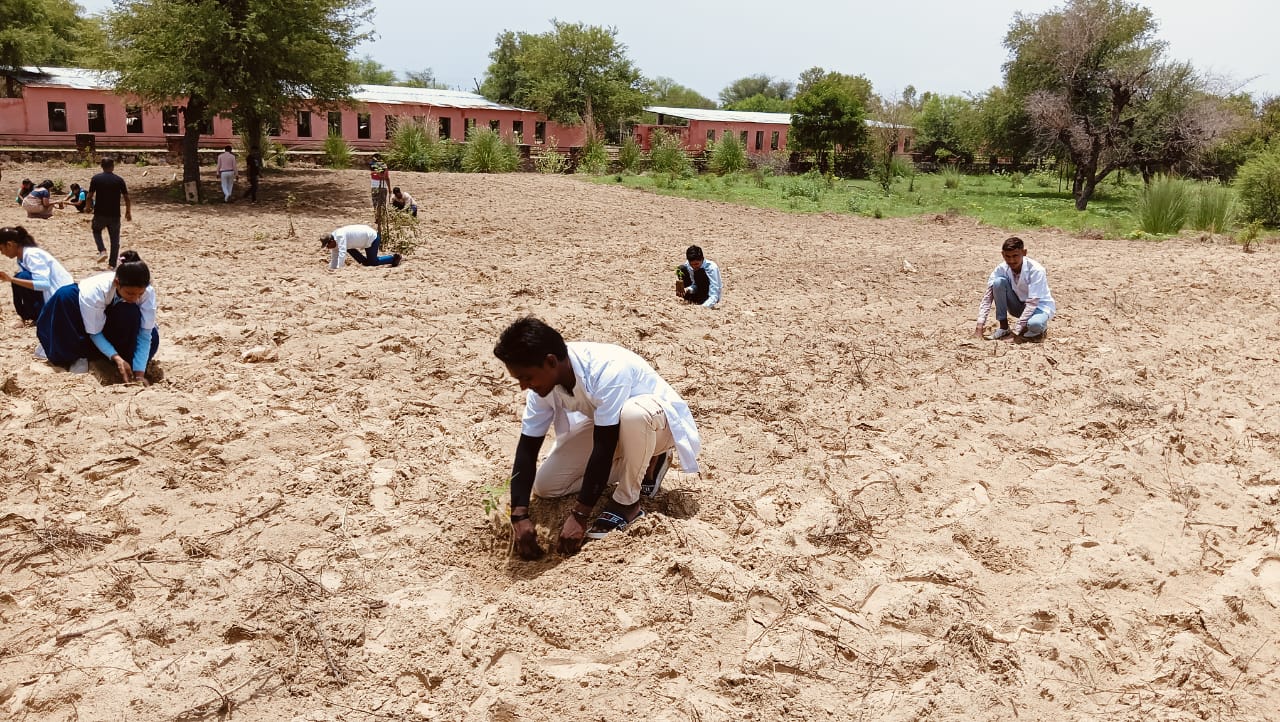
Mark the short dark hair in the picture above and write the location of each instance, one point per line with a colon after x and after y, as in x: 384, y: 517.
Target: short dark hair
x: 46, y: 183
x: 1012, y: 243
x: 226, y: 148
x: 694, y: 253
x: 527, y: 341
x: 132, y: 272
x: 107, y: 164
x: 326, y: 239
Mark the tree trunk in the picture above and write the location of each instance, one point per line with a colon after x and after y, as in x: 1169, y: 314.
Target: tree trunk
x: 192, y: 118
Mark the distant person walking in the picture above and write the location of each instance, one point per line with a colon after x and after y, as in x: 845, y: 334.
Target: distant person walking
x: 353, y: 239
x: 106, y: 190
x: 253, y: 167
x: 227, y: 172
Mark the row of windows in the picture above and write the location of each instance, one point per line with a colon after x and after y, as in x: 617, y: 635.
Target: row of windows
x: 773, y: 139
x: 364, y: 123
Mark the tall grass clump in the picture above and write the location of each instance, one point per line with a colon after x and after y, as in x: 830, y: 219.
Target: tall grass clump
x: 951, y: 177
x: 727, y: 156
x: 413, y: 147
x: 487, y: 152
x: 667, y: 156
x: 551, y: 160
x: 1215, y: 209
x: 1163, y: 207
x: 336, y: 152
x: 595, y: 158
x: 629, y: 155
x: 1258, y: 185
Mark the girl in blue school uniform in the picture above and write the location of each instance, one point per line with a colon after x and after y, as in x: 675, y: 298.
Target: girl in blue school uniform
x: 39, y: 275
x: 111, y: 314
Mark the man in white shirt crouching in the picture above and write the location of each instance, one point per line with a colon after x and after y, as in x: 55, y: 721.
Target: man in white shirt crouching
x: 616, y: 420
x: 354, y: 239
x: 1020, y: 285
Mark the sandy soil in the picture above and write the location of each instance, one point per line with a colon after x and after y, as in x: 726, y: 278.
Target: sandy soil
x: 895, y: 521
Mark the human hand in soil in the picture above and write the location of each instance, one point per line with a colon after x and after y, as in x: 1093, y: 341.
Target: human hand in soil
x: 977, y: 332
x: 526, y: 540
x: 679, y: 289
x: 126, y: 373
x: 5, y: 277
x: 571, y: 536
x: 140, y: 377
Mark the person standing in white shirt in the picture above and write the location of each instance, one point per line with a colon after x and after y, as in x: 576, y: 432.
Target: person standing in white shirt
x: 227, y: 172
x: 1021, y: 285
x: 616, y: 420
x: 698, y: 281
x: 353, y: 239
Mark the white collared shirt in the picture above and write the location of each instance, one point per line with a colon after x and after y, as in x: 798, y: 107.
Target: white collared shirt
x: 358, y: 236
x: 47, y: 274
x: 97, y: 292
x: 605, y: 376
x: 1030, y: 282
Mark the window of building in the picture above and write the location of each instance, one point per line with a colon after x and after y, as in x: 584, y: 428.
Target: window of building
x: 273, y: 129
x: 495, y: 125
x: 364, y: 125
x: 517, y: 131
x: 446, y: 128
x: 470, y: 125
x: 391, y: 122
x: 773, y: 141
x: 335, y: 122
x: 97, y: 118
x: 539, y: 132
x: 57, y: 117
x: 711, y: 136
x: 759, y: 140
x: 133, y: 119
x: 169, y: 120
x: 206, y: 126
x: 743, y: 138
x: 304, y: 124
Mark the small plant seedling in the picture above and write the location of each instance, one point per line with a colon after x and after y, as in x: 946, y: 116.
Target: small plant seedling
x: 493, y: 496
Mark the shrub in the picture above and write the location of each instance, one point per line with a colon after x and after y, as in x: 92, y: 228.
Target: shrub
x: 488, y: 152
x: 551, y: 160
x: 667, y: 156
x: 727, y: 156
x: 809, y: 185
x: 594, y: 158
x: 1015, y: 180
x: 449, y: 155
x: 336, y: 152
x: 1258, y: 186
x: 629, y: 154
x: 413, y: 147
x: 777, y: 162
x: 951, y: 177
x: 1215, y: 209
x: 1163, y: 207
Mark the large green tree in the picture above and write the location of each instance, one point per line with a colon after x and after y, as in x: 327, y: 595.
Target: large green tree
x: 947, y: 122
x: 253, y: 59
x: 1004, y: 128
x: 46, y: 32
x: 829, y: 114
x: 575, y: 73
x: 1080, y: 70
x: 668, y: 93
x: 753, y: 85
x: 367, y: 71
x: 1177, y: 122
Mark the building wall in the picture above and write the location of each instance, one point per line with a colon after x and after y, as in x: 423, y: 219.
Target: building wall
x: 696, y: 136
x: 26, y: 121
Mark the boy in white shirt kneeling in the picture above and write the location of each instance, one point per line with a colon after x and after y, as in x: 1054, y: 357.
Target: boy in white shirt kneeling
x: 1020, y: 285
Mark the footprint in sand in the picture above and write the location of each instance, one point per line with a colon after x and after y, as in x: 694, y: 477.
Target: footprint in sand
x: 973, y: 498
x: 1268, y: 574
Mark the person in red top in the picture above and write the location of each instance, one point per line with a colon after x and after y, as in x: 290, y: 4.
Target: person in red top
x: 379, y: 183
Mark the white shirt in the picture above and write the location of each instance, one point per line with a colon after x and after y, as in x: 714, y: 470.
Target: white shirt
x: 226, y: 162
x: 605, y: 376
x: 358, y: 236
x: 97, y: 292
x: 47, y: 274
x: 1030, y: 282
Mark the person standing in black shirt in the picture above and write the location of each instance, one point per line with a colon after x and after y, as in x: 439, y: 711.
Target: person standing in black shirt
x: 105, y: 191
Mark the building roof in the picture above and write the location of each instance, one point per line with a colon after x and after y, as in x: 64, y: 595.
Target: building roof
x: 85, y: 79
x: 723, y: 116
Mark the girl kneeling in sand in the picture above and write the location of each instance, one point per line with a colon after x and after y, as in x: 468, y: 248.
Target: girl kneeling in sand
x: 112, y: 314
x: 39, y: 274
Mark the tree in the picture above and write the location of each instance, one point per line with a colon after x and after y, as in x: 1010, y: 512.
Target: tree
x: 761, y: 84
x: 254, y: 59
x: 46, y: 32
x: 1177, y: 122
x: 1004, y: 129
x: 885, y: 135
x: 829, y: 114
x: 367, y: 71
x: 425, y: 78
x: 945, y: 122
x: 761, y: 103
x: 1080, y: 70
x: 575, y: 73
x: 668, y: 93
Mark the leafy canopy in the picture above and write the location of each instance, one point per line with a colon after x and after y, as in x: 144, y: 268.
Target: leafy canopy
x: 47, y: 32
x: 574, y: 73
x: 668, y: 93
x: 367, y: 71
x: 752, y: 85
x: 829, y: 113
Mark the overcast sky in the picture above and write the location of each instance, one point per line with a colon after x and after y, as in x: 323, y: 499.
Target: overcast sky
x: 936, y: 45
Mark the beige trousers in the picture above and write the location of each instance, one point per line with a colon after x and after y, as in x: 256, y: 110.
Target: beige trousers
x: 643, y: 434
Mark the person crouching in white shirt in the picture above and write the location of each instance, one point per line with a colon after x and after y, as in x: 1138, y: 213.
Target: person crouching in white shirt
x: 698, y: 281
x: 616, y: 420
x: 1020, y: 285
x: 354, y: 239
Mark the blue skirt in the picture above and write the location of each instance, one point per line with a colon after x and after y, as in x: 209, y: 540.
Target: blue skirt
x: 60, y: 329
x: 26, y: 301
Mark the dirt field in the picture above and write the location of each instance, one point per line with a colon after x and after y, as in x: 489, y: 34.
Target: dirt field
x: 895, y: 521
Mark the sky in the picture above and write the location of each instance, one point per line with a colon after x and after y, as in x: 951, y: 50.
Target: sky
x: 942, y: 46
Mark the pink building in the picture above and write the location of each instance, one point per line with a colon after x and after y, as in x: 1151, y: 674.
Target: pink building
x: 59, y: 104
x: 758, y: 132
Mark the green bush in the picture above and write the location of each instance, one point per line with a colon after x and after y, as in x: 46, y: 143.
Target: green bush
x: 336, y: 152
x: 1215, y: 209
x: 951, y: 177
x: 413, y: 147
x: 629, y: 155
x: 727, y: 156
x: 594, y: 158
x: 488, y: 152
x: 667, y: 156
x: 1258, y: 186
x: 809, y: 186
x: 1163, y: 207
x: 551, y: 160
